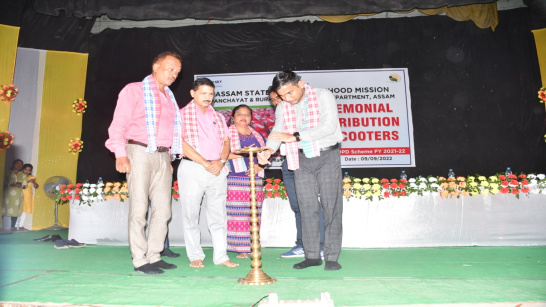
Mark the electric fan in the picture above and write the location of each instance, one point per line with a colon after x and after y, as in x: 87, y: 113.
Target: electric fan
x: 51, y: 186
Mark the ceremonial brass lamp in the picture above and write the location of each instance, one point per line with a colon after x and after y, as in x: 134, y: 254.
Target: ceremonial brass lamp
x: 256, y: 276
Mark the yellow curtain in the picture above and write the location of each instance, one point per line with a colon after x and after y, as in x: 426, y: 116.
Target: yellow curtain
x: 540, y: 42
x: 8, y: 52
x: 64, y: 82
x: 483, y: 15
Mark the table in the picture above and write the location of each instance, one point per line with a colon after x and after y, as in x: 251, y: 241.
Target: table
x: 414, y: 221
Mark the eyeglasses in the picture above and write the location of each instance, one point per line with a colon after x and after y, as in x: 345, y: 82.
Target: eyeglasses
x: 274, y: 98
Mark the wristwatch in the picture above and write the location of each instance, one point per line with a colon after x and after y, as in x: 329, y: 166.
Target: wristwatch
x: 222, y: 160
x: 297, y: 135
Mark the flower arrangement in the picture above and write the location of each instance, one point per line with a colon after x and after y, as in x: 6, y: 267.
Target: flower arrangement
x: 274, y: 187
x: 542, y: 94
x: 79, y: 105
x: 6, y: 139
x: 8, y: 93
x: 374, y: 188
x: 367, y: 188
x: 174, y: 190
x: 75, y: 146
x: 116, y: 190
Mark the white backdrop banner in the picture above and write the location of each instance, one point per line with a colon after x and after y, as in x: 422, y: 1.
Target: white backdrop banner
x: 374, y: 108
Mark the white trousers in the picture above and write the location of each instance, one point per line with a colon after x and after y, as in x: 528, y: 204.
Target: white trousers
x: 195, y: 182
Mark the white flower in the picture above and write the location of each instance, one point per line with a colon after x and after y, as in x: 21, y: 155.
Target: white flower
x: 92, y: 190
x: 93, y: 185
x: 541, y: 176
x: 411, y: 180
x: 531, y: 176
x: 86, y: 185
x: 434, y: 185
x: 422, y: 185
x: 432, y: 179
x: 85, y: 197
x: 422, y: 179
x: 413, y: 185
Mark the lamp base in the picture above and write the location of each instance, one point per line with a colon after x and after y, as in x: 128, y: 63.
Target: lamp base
x: 257, y: 277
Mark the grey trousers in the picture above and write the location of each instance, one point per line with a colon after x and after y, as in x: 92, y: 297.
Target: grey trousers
x: 196, y: 183
x: 320, y: 176
x: 150, y: 179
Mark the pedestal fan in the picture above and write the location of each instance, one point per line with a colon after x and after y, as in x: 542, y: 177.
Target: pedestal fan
x: 51, y: 186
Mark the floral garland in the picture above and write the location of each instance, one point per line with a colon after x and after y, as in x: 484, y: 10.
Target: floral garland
x: 275, y: 188
x: 542, y: 94
x: 79, y: 105
x: 75, y: 146
x: 8, y: 93
x: 367, y: 188
x: 6, y: 139
x: 374, y: 188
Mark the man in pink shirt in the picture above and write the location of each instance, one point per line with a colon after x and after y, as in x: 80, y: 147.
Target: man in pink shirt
x: 145, y: 131
x: 202, y: 172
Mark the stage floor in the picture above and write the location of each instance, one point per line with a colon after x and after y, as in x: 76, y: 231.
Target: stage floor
x: 39, y: 274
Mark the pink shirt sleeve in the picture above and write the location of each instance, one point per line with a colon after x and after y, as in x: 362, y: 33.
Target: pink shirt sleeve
x: 129, y: 120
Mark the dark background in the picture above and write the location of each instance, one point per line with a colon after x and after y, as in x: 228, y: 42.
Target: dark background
x: 474, y: 91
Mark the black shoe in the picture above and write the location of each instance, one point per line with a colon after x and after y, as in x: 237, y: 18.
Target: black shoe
x: 332, y: 266
x: 307, y: 263
x: 169, y: 253
x: 163, y: 265
x: 149, y: 269
x: 49, y: 238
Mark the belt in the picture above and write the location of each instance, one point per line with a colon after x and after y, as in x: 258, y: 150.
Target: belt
x: 186, y: 158
x: 159, y: 148
x: 336, y: 146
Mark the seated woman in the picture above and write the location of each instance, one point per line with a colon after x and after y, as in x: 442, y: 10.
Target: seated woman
x: 238, y: 197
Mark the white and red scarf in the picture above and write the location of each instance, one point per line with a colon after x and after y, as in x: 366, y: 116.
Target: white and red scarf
x: 239, y: 163
x: 152, y: 111
x: 309, y: 120
x: 191, y: 129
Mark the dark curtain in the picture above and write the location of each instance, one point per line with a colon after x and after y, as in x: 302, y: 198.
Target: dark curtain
x: 233, y: 9
x: 474, y: 91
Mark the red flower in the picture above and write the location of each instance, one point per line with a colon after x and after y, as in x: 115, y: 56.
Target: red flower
x: 269, y: 194
x: 514, y: 182
x: 385, y: 185
x: 69, y: 197
x: 403, y: 180
x: 522, y: 176
x: 504, y: 190
x: 504, y: 183
x: 394, y: 185
x: 394, y: 180
x: 268, y: 180
x: 403, y: 193
x: 512, y: 176
x: 268, y: 186
x: 524, y: 190
x: 77, y: 197
x: 63, y: 198
x: 515, y: 191
x: 62, y: 186
x: 502, y: 177
x: 77, y: 190
x: 277, y: 180
x: 70, y: 186
x: 395, y: 194
x: 384, y: 180
x: 79, y: 185
x: 386, y: 194
x: 401, y: 185
x: 524, y: 182
x: 275, y: 187
x: 176, y: 195
x: 277, y: 194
